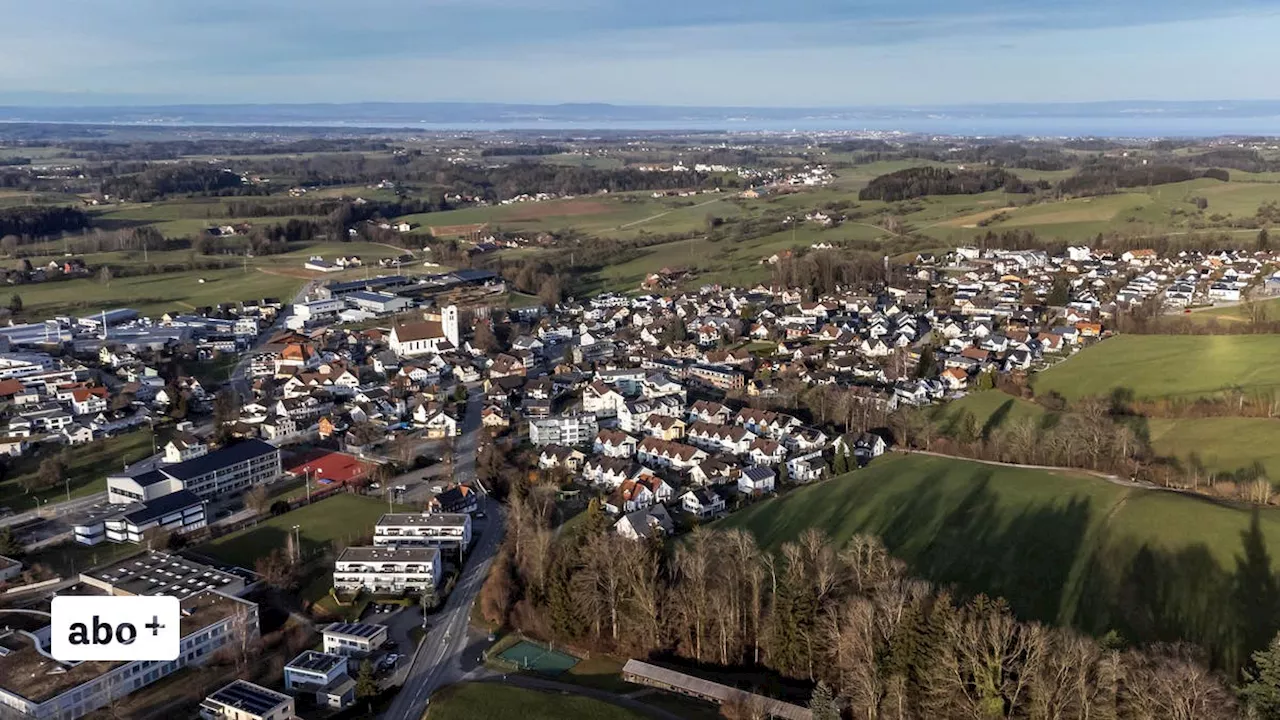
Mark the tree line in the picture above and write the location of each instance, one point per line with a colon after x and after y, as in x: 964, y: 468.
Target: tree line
x: 532, y: 149
x: 1103, y: 178
x: 918, y: 182
x: 183, y: 179
x: 850, y: 621
x: 41, y: 221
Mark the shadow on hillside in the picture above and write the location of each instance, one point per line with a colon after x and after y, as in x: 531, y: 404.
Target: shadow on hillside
x: 1052, y: 566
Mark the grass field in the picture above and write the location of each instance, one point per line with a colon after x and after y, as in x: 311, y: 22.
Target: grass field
x: 1219, y: 444
x: 481, y: 701
x: 990, y: 408
x: 1062, y: 548
x: 344, y: 518
x: 1154, y: 366
x: 86, y: 470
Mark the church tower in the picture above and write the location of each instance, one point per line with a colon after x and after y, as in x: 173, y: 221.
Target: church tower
x: 449, y: 321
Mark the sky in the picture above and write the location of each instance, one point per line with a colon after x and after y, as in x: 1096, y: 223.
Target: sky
x: 758, y: 53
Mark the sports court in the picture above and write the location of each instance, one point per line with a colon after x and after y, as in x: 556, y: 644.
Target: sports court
x: 528, y: 655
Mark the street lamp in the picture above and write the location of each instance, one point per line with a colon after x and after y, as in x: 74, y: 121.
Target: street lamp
x: 297, y: 544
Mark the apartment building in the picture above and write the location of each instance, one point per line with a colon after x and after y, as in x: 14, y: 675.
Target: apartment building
x: 567, y: 430
x: 445, y: 531
x: 386, y: 569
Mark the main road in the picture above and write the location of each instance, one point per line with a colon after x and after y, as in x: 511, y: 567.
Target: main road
x: 437, y: 659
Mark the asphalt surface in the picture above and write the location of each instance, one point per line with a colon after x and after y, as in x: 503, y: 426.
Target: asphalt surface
x: 442, y: 657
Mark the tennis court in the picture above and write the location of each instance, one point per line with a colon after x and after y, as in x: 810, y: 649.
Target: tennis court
x: 527, y: 655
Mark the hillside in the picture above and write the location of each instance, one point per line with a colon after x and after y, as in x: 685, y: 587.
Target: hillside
x: 1062, y: 548
x: 1168, y: 366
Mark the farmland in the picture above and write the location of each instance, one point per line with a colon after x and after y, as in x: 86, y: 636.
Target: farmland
x: 1163, y: 366
x: 1062, y: 547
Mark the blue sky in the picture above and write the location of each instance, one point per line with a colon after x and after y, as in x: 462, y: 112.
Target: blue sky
x: 812, y: 53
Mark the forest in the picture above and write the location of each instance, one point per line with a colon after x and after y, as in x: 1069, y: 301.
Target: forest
x: 41, y: 221
x: 918, y: 182
x: 1103, y: 178
x: 185, y: 179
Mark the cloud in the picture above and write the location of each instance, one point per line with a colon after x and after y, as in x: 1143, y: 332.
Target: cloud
x: 750, y: 52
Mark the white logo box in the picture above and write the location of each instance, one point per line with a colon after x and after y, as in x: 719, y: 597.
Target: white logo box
x: 116, y: 628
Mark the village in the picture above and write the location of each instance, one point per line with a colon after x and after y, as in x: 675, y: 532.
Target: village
x: 661, y: 411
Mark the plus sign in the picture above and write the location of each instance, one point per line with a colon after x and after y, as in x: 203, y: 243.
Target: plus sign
x: 154, y: 626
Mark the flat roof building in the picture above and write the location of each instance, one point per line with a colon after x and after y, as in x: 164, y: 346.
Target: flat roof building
x: 386, y: 569
x: 447, y: 531
x: 158, y: 573
x: 35, y: 685
x: 243, y: 700
x: 345, y: 638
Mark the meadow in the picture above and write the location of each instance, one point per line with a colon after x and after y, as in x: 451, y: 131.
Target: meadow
x: 1061, y: 547
x: 343, y: 518
x: 480, y: 701
x: 1167, y: 366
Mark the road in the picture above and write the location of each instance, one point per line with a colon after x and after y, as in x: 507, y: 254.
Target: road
x: 239, y: 379
x: 437, y: 661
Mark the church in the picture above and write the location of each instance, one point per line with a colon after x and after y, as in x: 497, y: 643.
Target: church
x: 435, y: 334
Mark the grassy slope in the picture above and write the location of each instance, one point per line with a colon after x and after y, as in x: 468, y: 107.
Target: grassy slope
x: 1222, y: 444
x: 1168, y: 366
x: 86, y: 470
x: 480, y: 701
x: 345, y: 518
x: 991, y: 409
x: 1061, y: 548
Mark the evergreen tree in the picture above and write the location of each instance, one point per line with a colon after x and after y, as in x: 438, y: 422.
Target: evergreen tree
x: 823, y: 704
x: 10, y: 545
x: 366, y: 683
x: 1264, y: 240
x: 15, y: 303
x: 1261, y: 689
x: 928, y: 365
x: 841, y: 464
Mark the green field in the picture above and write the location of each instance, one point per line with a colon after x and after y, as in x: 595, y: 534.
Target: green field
x: 86, y: 470
x: 990, y: 409
x: 1061, y: 547
x: 344, y: 518
x: 1219, y: 444
x: 1160, y: 366
x: 482, y: 701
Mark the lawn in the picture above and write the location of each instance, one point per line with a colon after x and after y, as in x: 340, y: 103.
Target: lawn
x: 86, y: 470
x: 1060, y: 547
x: 990, y: 408
x: 481, y: 701
x: 1219, y: 444
x: 344, y: 518
x: 70, y: 558
x: 1156, y: 366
